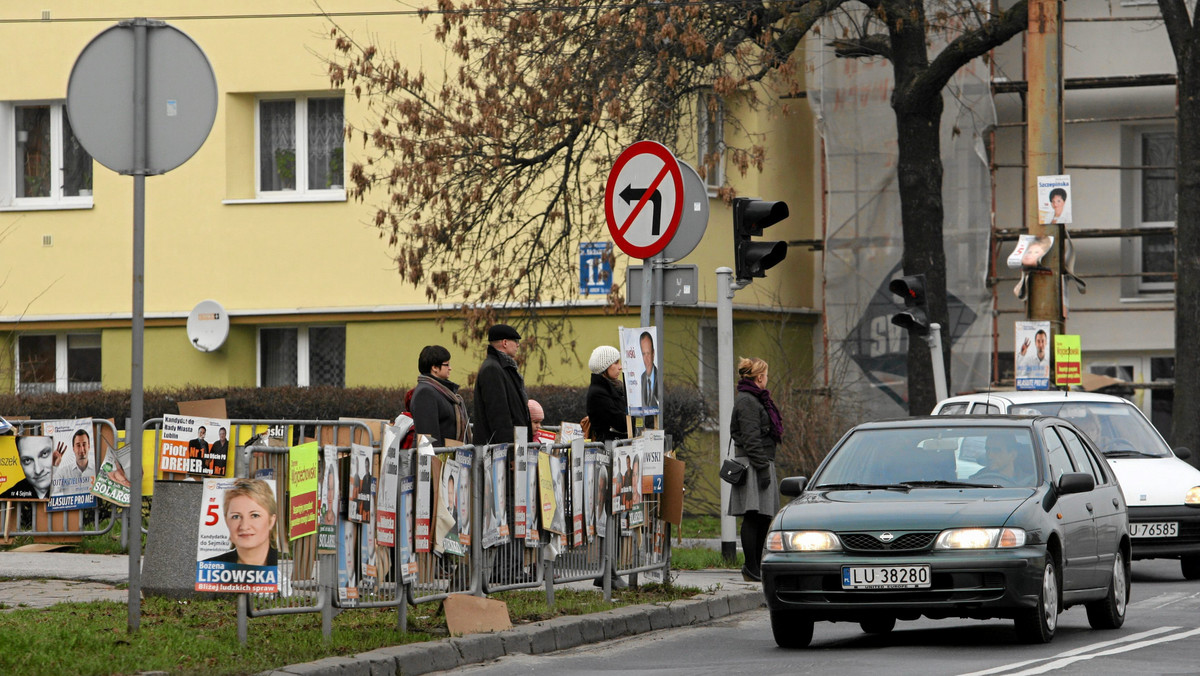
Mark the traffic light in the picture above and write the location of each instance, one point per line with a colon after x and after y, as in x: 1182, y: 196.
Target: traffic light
x: 750, y: 217
x: 912, y: 289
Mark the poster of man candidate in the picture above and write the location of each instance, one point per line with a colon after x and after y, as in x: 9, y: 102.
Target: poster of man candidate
x: 640, y: 364
x: 74, y: 464
x: 112, y: 478
x: 331, y: 513
x: 358, y: 498
x: 302, y: 490
x: 235, y: 550
x: 366, y: 550
x: 495, y: 513
x: 26, y: 464
x: 190, y: 445
x: 600, y: 489
x: 465, y: 458
x: 347, y: 547
x: 447, y: 536
x: 404, y: 530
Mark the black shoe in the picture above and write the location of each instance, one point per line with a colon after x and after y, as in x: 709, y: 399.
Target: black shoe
x: 617, y: 583
x: 750, y: 576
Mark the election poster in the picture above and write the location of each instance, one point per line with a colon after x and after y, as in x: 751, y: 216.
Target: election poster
x: 358, y: 499
x: 234, y: 550
x: 577, y: 499
x: 302, y: 490
x: 1054, y: 199
x: 654, y: 446
x: 26, y: 464
x: 520, y: 481
x: 404, y: 529
x: 600, y: 492
x: 389, y: 473
x: 367, y: 581
x: 112, y: 479
x: 331, y: 513
x: 465, y: 459
x: 1032, y: 358
x: 74, y: 464
x: 423, y: 500
x: 191, y: 445
x: 347, y: 547
x: 448, y: 534
x: 551, y: 491
x: 495, y: 514
x: 568, y: 432
x: 642, y: 369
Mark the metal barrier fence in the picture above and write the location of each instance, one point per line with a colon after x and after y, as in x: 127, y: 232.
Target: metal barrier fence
x: 645, y: 549
x: 32, y: 518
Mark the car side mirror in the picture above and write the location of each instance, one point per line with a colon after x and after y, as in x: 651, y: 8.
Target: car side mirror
x: 793, y: 486
x: 1075, y: 482
x: 1183, y: 452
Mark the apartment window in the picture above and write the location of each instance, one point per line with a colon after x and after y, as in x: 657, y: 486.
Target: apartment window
x: 47, y: 167
x: 710, y: 119
x: 1155, y: 254
x: 300, y: 145
x: 58, y: 363
x: 307, y: 355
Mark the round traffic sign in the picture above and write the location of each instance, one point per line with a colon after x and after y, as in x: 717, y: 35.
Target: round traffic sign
x: 694, y: 220
x: 643, y: 200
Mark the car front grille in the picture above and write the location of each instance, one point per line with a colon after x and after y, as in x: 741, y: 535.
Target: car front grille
x: 900, y: 542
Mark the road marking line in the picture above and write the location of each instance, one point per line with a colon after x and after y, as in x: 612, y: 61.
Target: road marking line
x: 1074, y: 651
x: 1112, y: 651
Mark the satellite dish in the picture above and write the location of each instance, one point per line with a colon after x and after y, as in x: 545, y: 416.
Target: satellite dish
x: 208, y: 326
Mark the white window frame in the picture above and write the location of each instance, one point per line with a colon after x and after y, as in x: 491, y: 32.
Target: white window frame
x: 302, y: 192
x: 714, y: 178
x: 1152, y: 287
x: 8, y: 154
x: 62, y: 373
x: 303, y: 378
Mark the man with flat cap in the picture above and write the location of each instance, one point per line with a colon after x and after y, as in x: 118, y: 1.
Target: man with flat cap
x: 500, y: 400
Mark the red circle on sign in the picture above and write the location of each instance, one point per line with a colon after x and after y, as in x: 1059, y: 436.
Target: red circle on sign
x: 670, y: 170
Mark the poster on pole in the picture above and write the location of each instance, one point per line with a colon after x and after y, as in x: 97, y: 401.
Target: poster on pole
x: 1068, y: 365
x: 1032, y: 357
x: 74, y: 464
x: 1054, y: 199
x: 234, y: 547
x: 302, y: 490
x: 641, y: 366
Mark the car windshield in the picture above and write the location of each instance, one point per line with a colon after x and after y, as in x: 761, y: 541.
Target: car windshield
x: 941, y: 457
x: 1117, y: 428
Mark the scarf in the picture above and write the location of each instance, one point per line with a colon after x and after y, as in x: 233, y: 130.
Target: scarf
x: 747, y: 385
x: 450, y: 391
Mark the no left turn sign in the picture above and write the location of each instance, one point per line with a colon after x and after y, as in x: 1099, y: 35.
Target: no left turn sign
x: 643, y: 200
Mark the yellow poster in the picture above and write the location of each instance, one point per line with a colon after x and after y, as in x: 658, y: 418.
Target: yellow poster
x: 551, y: 519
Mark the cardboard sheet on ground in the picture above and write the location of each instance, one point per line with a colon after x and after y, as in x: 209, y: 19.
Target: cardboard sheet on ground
x: 203, y: 408
x: 475, y: 615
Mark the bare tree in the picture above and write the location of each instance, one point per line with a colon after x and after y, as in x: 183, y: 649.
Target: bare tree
x: 1184, y: 33
x: 490, y: 169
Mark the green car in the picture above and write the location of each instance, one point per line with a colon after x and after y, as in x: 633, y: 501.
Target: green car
x: 996, y: 517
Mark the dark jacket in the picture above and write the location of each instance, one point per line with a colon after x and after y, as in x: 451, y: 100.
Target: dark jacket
x: 500, y: 401
x: 606, y: 409
x: 433, y: 413
x: 750, y: 429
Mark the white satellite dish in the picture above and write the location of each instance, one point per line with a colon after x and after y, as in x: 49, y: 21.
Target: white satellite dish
x: 208, y: 326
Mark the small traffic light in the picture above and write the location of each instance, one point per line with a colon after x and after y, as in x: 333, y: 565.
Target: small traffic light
x: 912, y: 289
x: 750, y: 217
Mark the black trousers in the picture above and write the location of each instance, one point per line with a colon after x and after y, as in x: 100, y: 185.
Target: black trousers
x: 754, y: 536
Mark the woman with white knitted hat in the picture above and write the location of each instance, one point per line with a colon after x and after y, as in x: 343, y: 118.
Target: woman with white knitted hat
x: 606, y: 408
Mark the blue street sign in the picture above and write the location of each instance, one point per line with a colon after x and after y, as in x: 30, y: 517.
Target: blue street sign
x: 595, y: 268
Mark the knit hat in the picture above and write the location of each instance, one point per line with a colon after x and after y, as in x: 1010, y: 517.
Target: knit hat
x: 603, y: 357
x: 536, y: 414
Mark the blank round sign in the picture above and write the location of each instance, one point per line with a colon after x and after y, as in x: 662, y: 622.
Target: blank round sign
x: 181, y: 97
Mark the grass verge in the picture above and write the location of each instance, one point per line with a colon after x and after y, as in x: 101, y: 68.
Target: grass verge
x: 200, y: 637
x: 700, y: 558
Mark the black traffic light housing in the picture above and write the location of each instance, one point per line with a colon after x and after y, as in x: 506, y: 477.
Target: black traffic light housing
x: 912, y: 289
x: 750, y: 217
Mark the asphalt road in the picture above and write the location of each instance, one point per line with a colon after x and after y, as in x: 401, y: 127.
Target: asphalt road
x: 1161, y: 636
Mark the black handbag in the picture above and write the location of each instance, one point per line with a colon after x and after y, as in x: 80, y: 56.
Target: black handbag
x: 733, y: 472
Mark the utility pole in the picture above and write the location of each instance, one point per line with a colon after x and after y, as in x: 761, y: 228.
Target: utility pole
x: 1043, y: 148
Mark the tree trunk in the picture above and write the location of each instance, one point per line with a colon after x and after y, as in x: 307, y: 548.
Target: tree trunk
x: 1185, y: 423
x: 921, y: 215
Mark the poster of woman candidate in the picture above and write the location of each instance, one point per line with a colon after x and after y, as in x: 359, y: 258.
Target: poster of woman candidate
x: 234, y: 549
x: 74, y: 464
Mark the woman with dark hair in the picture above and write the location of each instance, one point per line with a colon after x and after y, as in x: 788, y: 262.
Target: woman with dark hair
x: 756, y: 428
x: 438, y: 410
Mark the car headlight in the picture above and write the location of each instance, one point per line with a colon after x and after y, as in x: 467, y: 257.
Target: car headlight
x: 980, y: 538
x: 1192, y: 497
x: 802, y: 541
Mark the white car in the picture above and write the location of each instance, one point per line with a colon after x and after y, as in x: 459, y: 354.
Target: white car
x: 1161, y: 490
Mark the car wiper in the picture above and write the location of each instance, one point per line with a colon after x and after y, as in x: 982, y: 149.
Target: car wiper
x: 861, y: 487
x: 946, y: 484
x: 1127, y: 453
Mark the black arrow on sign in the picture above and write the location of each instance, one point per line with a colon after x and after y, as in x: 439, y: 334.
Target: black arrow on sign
x: 629, y: 194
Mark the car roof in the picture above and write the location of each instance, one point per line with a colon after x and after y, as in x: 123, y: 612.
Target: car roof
x: 956, y: 421
x: 1035, y: 396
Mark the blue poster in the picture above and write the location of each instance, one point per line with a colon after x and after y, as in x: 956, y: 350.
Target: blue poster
x: 595, y: 268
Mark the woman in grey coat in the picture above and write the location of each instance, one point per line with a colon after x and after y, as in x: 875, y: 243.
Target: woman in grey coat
x: 756, y: 429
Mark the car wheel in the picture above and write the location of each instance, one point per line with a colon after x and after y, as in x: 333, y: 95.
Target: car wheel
x: 1109, y: 612
x: 791, y: 628
x: 1037, y: 624
x: 1191, y: 567
x: 878, y: 625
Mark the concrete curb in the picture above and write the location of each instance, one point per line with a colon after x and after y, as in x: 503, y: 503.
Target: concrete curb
x: 559, y: 633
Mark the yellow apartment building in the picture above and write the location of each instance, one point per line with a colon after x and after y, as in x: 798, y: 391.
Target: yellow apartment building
x: 259, y: 221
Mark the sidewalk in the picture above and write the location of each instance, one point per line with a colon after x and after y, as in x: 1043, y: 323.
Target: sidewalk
x: 46, y: 578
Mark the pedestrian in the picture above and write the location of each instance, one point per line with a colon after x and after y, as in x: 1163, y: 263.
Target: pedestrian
x: 756, y: 429
x: 606, y: 403
x: 536, y: 416
x: 438, y: 410
x: 500, y: 400
x: 606, y: 411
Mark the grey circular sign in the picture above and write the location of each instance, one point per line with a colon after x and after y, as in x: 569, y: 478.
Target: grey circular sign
x: 694, y: 220
x: 181, y: 97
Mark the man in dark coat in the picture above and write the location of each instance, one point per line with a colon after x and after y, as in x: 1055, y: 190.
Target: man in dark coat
x: 500, y: 400
x: 438, y: 411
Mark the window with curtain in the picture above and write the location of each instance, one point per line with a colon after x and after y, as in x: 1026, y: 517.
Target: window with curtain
x: 1157, y: 252
x: 48, y: 165
x: 300, y: 144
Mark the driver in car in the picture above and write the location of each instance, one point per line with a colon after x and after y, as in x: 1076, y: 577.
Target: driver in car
x: 1004, y: 466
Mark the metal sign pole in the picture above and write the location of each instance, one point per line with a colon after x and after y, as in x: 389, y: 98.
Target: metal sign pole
x: 660, y: 296
x: 726, y: 286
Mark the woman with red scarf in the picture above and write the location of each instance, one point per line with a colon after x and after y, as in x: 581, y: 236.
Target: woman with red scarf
x: 756, y: 429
